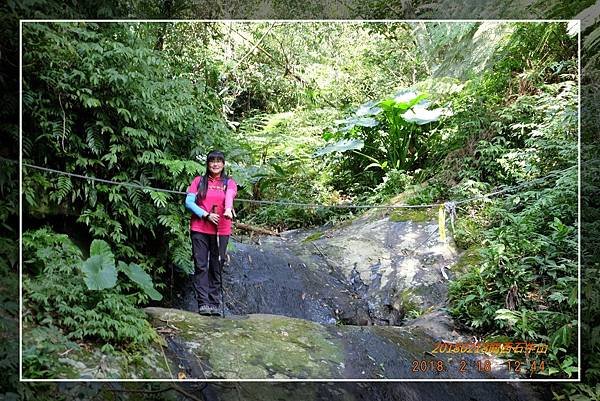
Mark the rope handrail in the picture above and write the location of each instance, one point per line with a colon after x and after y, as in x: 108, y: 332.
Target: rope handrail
x: 300, y: 204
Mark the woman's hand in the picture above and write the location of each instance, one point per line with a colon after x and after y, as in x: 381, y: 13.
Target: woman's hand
x: 228, y: 214
x: 213, y: 218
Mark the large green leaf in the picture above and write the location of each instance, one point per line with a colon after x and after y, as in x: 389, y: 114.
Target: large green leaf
x: 141, y: 278
x: 402, y: 101
x: 99, y: 272
x: 340, y: 146
x: 368, y: 109
x: 99, y: 269
x: 101, y: 248
x: 420, y: 115
x: 348, y: 123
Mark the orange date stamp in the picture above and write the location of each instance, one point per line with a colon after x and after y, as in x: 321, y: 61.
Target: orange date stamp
x: 482, y: 365
x: 491, y: 347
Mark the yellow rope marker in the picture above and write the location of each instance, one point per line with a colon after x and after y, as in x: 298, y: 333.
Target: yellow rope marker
x: 442, y: 222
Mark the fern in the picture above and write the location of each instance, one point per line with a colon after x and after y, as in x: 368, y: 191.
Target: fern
x: 160, y: 199
x: 63, y: 188
x: 93, y: 140
x: 60, y: 296
x: 180, y: 251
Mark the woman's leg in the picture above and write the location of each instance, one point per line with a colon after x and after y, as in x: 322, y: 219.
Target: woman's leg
x: 214, y: 274
x: 200, y: 280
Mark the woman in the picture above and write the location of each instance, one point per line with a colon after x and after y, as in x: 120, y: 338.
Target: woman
x: 210, y: 199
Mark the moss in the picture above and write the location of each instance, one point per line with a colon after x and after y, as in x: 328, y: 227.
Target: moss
x: 313, y: 237
x: 418, y: 215
x: 260, y: 346
x: 413, y: 341
x: 405, y: 302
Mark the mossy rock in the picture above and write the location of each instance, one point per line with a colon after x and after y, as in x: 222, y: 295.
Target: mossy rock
x: 313, y: 237
x: 418, y: 215
x: 254, y: 347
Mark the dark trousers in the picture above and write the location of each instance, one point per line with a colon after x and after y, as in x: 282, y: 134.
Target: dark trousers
x: 207, y: 271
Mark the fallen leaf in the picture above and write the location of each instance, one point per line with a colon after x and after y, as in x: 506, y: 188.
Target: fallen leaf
x: 181, y: 375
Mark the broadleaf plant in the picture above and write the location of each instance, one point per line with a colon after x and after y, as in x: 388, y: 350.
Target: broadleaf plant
x: 99, y: 269
x: 141, y: 278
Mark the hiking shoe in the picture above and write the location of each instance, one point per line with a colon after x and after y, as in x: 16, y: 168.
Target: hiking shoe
x: 205, y: 310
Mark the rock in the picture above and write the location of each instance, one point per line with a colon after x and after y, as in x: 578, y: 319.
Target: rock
x: 278, y: 281
x: 262, y: 346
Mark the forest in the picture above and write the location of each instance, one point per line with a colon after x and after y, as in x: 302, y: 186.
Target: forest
x: 314, y: 118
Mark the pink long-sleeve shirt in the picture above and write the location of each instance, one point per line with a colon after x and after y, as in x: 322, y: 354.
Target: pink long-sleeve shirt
x: 215, y: 195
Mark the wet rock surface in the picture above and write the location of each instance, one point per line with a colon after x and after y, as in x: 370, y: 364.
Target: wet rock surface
x: 375, y: 271
x: 374, y: 289
x: 271, y: 279
x: 260, y: 346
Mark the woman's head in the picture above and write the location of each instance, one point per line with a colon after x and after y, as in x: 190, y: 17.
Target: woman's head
x: 215, y: 163
x: 215, y: 167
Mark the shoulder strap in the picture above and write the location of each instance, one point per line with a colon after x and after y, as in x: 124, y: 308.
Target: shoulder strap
x: 199, y: 182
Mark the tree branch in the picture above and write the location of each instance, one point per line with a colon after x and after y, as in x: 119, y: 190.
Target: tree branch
x: 253, y: 48
x: 257, y: 46
x: 260, y: 230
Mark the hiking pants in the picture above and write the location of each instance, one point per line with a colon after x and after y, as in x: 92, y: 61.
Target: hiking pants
x: 207, y: 272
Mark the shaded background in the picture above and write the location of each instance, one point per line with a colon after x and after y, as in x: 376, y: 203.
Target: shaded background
x: 587, y: 11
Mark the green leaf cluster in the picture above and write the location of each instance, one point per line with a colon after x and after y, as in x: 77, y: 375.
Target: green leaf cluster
x: 84, y: 298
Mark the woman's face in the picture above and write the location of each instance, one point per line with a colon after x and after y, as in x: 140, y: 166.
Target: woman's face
x: 215, y: 166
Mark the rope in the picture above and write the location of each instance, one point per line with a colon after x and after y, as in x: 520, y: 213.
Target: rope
x: 450, y: 205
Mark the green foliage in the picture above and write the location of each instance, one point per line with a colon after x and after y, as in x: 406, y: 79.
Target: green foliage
x: 394, y: 183
x: 137, y: 102
x: 40, y: 347
x: 528, y: 237
x: 102, y: 101
x: 99, y: 269
x: 280, y: 74
x: 141, y: 278
x: 388, y: 132
x: 341, y: 146
x: 578, y: 392
x: 530, y: 254
x: 62, y: 295
x: 283, y: 169
x: 9, y: 318
x: 426, y: 194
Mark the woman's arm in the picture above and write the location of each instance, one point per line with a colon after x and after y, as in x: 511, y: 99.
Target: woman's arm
x: 190, y: 203
x: 230, y: 194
